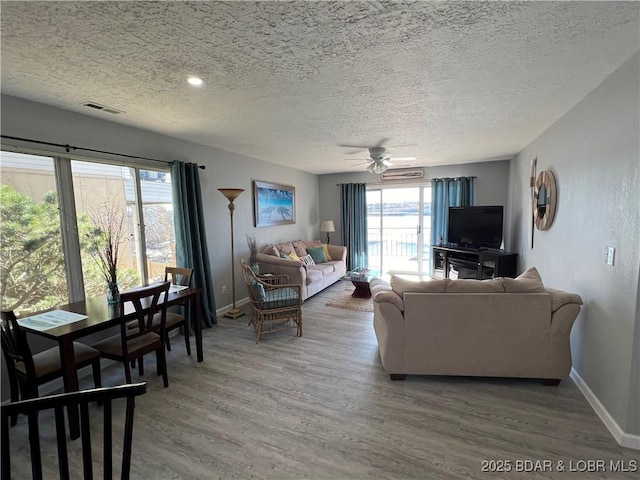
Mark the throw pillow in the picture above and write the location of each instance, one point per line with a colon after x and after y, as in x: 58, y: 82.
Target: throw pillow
x: 307, y: 260
x: 258, y: 292
x: 293, y: 256
x: 528, y: 282
x: 284, y: 255
x: 326, y: 252
x: 317, y: 254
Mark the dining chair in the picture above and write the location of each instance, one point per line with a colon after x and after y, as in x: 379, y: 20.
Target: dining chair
x: 275, y: 306
x: 27, y: 371
x: 58, y: 403
x: 177, y: 276
x: 133, y: 343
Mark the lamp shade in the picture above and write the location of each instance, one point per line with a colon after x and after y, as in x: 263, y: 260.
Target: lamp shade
x: 327, y: 226
x: 231, y: 193
x: 377, y: 167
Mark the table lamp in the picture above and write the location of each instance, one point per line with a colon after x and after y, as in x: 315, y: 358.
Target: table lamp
x: 327, y: 226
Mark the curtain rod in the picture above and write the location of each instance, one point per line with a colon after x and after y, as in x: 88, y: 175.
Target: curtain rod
x: 68, y: 149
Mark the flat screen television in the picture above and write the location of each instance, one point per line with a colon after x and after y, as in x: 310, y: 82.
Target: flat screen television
x: 476, y: 227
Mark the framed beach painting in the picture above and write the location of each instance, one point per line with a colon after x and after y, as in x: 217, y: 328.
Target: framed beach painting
x: 273, y: 204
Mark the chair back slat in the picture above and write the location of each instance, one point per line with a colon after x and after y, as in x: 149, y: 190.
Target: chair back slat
x: 146, y: 303
x: 32, y: 407
x: 63, y: 456
x: 85, y: 427
x: 14, y: 344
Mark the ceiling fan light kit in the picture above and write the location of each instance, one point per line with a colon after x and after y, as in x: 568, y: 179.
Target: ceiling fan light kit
x: 378, y: 167
x: 380, y: 159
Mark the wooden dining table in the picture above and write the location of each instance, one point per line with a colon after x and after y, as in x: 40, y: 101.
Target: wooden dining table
x: 101, y: 316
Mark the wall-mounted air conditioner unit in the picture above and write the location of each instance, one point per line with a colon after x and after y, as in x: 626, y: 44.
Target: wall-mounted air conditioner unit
x: 397, y: 175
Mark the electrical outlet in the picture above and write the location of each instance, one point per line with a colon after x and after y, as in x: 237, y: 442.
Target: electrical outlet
x: 609, y: 255
x: 224, y: 289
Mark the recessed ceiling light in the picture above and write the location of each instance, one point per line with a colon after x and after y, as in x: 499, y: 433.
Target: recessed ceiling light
x: 195, y: 81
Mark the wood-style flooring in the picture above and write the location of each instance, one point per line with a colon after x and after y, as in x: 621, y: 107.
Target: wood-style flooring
x: 322, y: 407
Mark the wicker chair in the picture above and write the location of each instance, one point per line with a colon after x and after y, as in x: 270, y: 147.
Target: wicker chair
x: 276, y: 305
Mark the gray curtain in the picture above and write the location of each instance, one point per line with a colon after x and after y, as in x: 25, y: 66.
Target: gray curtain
x: 353, y: 204
x: 445, y: 193
x: 191, y: 239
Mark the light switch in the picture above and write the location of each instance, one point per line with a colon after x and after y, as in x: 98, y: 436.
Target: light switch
x: 609, y: 255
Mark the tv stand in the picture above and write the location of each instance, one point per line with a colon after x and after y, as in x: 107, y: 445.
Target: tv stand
x: 479, y: 263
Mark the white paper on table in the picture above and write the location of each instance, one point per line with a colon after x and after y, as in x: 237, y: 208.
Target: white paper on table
x: 52, y: 319
x: 176, y: 288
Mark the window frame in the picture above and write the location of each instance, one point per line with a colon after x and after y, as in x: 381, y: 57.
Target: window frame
x: 63, y: 176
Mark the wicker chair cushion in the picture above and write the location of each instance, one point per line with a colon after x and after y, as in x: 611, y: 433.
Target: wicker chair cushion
x: 280, y: 297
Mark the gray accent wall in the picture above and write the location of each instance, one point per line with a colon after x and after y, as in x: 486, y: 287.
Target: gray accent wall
x: 594, y: 152
x: 492, y: 186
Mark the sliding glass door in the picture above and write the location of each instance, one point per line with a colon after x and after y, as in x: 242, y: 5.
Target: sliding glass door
x: 399, y: 229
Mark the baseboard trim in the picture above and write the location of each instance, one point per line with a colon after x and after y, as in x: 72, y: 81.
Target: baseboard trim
x: 624, y: 439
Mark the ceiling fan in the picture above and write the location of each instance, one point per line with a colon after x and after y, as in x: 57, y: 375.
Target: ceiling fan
x: 380, y: 160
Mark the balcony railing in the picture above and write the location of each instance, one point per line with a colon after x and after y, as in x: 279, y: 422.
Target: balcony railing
x: 397, y: 248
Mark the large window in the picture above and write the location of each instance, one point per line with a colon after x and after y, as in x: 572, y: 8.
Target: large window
x: 32, y: 261
x: 35, y: 271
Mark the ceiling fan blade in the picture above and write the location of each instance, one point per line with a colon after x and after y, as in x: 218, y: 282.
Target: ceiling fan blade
x: 357, y: 159
x: 386, y: 162
x: 382, y: 142
x: 361, y: 163
x: 403, y: 159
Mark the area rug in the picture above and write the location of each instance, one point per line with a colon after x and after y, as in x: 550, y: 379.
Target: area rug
x: 345, y: 300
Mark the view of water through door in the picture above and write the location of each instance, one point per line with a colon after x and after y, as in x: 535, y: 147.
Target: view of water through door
x: 399, y: 229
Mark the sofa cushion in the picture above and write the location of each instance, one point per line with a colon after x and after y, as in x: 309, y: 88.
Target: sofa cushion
x: 527, y: 282
x: 300, y: 248
x: 475, y: 286
x: 314, y: 274
x: 317, y: 254
x: 271, y: 250
x: 285, y: 248
x: 401, y: 285
x: 325, y: 268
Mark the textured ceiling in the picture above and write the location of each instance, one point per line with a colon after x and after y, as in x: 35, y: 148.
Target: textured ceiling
x: 287, y: 82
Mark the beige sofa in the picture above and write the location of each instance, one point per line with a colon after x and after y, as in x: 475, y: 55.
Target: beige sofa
x: 503, y: 327
x: 312, y: 278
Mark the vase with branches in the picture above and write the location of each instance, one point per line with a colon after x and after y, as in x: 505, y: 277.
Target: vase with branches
x: 105, y: 239
x: 253, y: 252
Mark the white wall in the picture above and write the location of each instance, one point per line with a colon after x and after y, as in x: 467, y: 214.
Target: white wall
x: 21, y: 118
x: 491, y: 186
x: 594, y: 153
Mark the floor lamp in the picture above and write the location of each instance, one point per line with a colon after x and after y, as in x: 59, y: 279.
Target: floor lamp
x: 232, y: 194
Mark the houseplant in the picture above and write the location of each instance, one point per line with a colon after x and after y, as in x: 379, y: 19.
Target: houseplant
x: 105, y: 238
x: 253, y: 253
